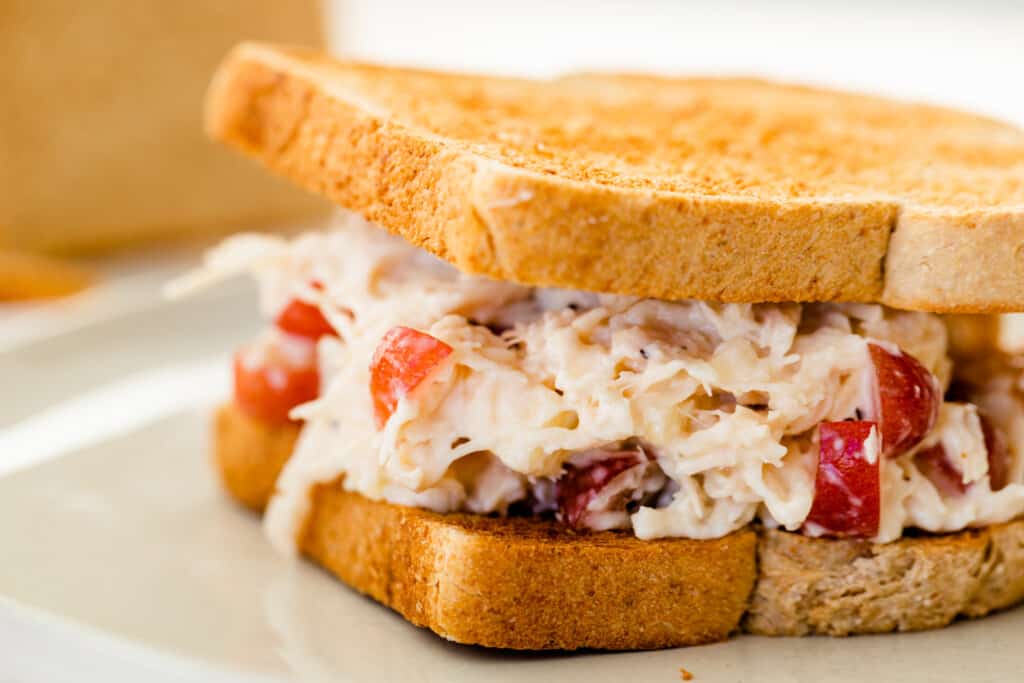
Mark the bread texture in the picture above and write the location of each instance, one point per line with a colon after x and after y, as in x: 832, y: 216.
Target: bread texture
x: 842, y: 587
x: 716, y: 189
x: 530, y: 584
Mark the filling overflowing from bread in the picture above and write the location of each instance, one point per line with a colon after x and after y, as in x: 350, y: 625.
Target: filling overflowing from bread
x: 426, y: 387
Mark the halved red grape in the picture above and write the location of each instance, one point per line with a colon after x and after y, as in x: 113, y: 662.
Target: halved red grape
x: 847, y: 496
x: 906, y: 400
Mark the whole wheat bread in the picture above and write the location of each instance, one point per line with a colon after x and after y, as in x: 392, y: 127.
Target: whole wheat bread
x: 718, y: 189
x: 530, y: 584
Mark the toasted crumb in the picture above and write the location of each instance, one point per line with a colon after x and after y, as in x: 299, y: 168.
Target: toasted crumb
x: 685, y: 675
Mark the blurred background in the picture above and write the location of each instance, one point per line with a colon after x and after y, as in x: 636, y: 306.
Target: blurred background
x: 963, y: 54
x: 109, y: 187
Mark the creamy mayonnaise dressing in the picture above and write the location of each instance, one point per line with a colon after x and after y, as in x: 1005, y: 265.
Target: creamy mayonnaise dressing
x: 725, y: 396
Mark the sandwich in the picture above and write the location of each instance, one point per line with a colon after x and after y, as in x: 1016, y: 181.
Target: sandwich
x: 623, y: 362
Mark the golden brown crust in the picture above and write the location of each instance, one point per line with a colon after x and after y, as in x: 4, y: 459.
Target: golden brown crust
x: 529, y: 584
x: 249, y: 454
x: 724, y: 189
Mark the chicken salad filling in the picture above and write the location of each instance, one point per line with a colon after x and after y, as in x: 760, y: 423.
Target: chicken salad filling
x: 436, y: 389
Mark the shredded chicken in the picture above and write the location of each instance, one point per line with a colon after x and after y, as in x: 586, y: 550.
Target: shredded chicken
x: 725, y: 398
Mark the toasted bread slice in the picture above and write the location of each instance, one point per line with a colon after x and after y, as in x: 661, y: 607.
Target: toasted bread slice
x: 530, y: 584
x: 843, y: 587
x: 510, y: 583
x: 717, y: 189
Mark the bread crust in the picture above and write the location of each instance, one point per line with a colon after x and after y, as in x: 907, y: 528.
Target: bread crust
x: 785, y: 196
x: 535, y: 585
x: 249, y: 454
x: 529, y: 585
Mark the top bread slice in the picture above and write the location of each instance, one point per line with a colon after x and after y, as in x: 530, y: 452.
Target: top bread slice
x: 717, y: 189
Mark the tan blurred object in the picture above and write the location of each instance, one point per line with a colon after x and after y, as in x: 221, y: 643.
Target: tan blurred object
x: 1011, y: 332
x: 971, y: 334
x: 29, y: 276
x: 101, y: 142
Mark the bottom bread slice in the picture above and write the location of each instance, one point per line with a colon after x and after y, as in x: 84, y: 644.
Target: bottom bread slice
x: 509, y: 583
x: 842, y: 587
x: 531, y: 584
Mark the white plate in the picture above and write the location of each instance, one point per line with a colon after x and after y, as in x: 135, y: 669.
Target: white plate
x: 131, y: 539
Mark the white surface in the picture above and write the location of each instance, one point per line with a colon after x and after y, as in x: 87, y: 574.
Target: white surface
x: 125, y: 283
x: 112, y: 409
x: 964, y: 54
x: 105, y: 362
x: 127, y: 563
x: 30, y: 639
